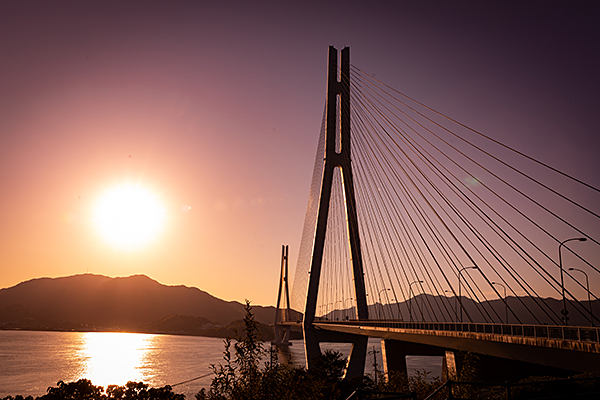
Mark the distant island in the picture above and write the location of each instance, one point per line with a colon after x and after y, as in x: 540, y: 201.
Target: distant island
x: 136, y: 303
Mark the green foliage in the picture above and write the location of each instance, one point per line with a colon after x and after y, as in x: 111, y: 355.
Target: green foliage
x: 244, y: 376
x: 584, y: 386
x: 139, y: 391
x: 468, y: 371
x: 239, y: 376
x: 18, y: 397
x: 329, y: 366
x: 83, y: 389
x: 398, y: 382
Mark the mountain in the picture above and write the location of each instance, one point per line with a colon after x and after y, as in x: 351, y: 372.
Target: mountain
x: 135, y: 303
x: 141, y: 304
x: 525, y: 310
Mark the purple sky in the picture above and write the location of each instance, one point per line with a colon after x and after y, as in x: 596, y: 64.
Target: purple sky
x: 219, y: 105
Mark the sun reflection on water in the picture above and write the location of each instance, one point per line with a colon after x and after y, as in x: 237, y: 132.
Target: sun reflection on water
x: 114, y: 358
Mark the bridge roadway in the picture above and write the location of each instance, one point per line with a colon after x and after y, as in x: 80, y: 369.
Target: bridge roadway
x: 565, y: 347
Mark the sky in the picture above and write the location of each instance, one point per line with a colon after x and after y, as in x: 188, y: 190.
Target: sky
x: 216, y: 108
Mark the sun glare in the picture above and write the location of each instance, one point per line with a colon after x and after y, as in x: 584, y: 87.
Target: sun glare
x: 114, y: 358
x: 129, y: 216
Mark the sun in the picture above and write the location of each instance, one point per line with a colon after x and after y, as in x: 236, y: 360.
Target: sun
x: 129, y: 216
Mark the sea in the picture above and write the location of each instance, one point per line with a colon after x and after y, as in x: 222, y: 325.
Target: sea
x: 32, y: 361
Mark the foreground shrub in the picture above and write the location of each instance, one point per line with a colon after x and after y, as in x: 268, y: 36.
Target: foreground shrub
x: 83, y: 389
x: 243, y: 376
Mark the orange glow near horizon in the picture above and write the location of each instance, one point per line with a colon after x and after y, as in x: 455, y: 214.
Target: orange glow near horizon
x: 129, y: 217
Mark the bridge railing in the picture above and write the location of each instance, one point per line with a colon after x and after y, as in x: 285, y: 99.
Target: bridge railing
x: 575, y: 333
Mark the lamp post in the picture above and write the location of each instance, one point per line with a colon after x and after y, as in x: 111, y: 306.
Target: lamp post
x: 455, y: 306
x: 390, y: 307
x: 459, y: 293
x: 505, y: 303
x: 410, y: 299
x: 334, y: 309
x: 380, y: 303
x: 587, y: 284
x: 349, y: 298
x: 562, y: 281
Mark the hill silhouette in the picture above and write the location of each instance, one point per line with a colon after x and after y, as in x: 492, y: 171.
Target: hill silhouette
x: 525, y: 310
x: 140, y: 304
x: 135, y: 303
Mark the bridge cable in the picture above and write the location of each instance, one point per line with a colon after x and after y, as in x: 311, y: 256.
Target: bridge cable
x: 481, y: 134
x: 425, y: 159
x: 488, y: 217
x: 423, y: 195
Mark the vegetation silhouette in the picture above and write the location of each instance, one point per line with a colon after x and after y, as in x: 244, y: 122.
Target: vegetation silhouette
x: 244, y: 376
x: 83, y: 389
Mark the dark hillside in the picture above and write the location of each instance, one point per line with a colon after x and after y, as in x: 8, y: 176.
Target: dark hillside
x: 98, y: 302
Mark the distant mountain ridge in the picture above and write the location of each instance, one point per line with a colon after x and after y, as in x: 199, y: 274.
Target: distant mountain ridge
x: 523, y: 310
x: 138, y: 303
x: 134, y: 303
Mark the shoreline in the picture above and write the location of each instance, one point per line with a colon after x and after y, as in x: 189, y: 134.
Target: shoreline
x: 113, y: 331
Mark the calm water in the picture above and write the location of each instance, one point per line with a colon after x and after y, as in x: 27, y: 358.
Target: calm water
x: 30, y: 362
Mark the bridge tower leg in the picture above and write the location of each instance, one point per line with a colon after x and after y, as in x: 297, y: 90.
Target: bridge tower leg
x: 337, y: 112
x: 282, y: 333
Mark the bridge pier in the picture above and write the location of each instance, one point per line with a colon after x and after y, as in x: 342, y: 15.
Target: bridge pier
x: 394, y: 354
x: 355, y: 364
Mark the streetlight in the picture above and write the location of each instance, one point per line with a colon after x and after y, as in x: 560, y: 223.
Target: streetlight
x: 410, y: 299
x: 587, y: 283
x: 505, y: 303
x: 459, y: 294
x: 338, y: 301
x: 380, y: 303
x: 455, y: 305
x: 349, y: 298
x: 562, y: 281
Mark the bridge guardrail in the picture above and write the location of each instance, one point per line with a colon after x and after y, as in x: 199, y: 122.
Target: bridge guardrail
x: 575, y: 333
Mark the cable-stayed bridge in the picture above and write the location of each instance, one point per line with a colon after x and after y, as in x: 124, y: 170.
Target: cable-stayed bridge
x: 437, y: 237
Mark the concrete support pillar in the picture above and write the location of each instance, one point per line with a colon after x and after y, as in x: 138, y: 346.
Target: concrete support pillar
x: 355, y: 364
x: 394, y: 354
x: 394, y: 359
x: 449, y: 369
x: 311, y: 346
x: 358, y: 355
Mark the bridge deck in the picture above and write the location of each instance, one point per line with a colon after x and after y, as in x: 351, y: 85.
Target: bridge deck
x: 575, y: 348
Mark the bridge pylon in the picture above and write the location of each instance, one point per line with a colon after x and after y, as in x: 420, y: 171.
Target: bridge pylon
x: 282, y: 313
x: 337, y: 155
